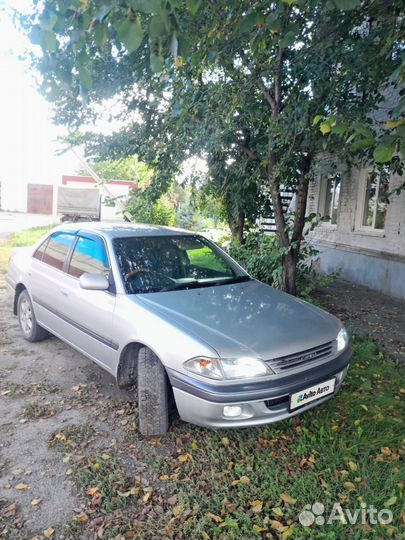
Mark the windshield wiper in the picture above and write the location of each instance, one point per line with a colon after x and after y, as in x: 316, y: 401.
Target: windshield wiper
x: 199, y: 284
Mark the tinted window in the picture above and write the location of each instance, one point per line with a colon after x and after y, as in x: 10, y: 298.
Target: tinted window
x: 57, y: 249
x: 89, y: 256
x: 164, y: 263
x: 39, y: 252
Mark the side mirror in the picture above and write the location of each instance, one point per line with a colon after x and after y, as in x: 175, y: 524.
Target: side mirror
x: 94, y: 282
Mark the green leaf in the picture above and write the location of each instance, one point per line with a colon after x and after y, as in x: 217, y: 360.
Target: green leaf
x: 287, y: 40
x: 146, y: 6
x: 102, y: 12
x: 193, y: 6
x: 47, y: 20
x: 339, y: 129
x: 85, y: 77
x: 290, y: 2
x: 347, y: 5
x: 392, y: 124
x: 156, y: 63
x: 384, y: 151
x: 325, y: 128
x: 100, y: 34
x: 130, y: 33
x: 317, y: 119
x: 157, y: 27
x: 248, y: 23
x: 48, y: 41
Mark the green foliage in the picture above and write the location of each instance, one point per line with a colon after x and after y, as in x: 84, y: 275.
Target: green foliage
x: 262, y: 257
x: 129, y: 168
x: 239, y: 83
x: 143, y: 209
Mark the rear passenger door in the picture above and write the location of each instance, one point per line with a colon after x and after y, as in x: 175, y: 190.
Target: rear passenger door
x: 45, y: 274
x: 86, y: 315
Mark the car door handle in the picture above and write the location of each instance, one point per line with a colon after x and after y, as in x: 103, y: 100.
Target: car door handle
x: 65, y: 293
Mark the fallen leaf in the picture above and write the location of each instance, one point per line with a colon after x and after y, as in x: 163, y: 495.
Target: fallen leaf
x: 352, y: 466
x: 194, y: 445
x: 83, y: 518
x: 147, y: 496
x: 36, y: 502
x: 225, y: 441
x: 184, y: 457
x: 244, y: 480
x: 69, y: 472
x: 48, y: 533
x: 215, y: 518
x: 164, y: 477
x: 287, y: 499
x: 21, y: 487
x: 278, y: 512
x: 287, y: 533
x: 92, y: 490
x: 257, y: 506
x: 178, y: 510
x: 391, y: 501
x: 172, y: 500
x: 277, y: 526
x: 258, y: 529
x: 350, y: 486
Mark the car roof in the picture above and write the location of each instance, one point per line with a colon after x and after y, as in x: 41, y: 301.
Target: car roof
x: 124, y: 229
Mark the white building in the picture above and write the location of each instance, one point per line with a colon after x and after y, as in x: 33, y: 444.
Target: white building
x: 362, y: 235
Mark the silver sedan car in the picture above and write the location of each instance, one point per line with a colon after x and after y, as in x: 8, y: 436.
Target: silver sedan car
x: 168, y: 311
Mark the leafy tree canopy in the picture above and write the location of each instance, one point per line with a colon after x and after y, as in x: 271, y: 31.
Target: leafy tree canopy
x: 259, y: 88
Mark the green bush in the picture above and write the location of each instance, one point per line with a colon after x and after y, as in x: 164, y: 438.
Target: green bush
x: 145, y: 210
x: 262, y: 257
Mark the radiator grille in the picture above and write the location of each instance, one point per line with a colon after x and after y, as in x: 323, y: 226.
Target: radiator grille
x: 292, y: 361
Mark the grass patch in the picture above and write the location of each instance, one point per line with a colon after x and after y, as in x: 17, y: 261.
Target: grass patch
x: 71, y: 437
x: 36, y: 410
x: 20, y: 239
x: 253, y: 483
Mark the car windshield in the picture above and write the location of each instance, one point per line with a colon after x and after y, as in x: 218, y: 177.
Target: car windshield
x: 167, y: 263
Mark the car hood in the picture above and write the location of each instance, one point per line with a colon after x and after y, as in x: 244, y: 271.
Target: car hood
x: 248, y: 318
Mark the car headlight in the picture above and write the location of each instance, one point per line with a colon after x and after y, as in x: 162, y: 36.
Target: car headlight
x: 342, y: 339
x: 228, y: 368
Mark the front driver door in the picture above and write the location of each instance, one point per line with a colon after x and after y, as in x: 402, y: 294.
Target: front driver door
x: 87, y: 315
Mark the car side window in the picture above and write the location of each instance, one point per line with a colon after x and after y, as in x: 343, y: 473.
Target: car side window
x: 57, y: 249
x: 39, y: 252
x: 89, y: 256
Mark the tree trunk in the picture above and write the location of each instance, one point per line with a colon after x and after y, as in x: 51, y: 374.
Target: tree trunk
x: 237, y: 226
x: 290, y: 261
x: 289, y: 274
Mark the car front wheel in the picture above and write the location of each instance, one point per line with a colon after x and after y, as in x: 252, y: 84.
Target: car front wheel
x: 152, y: 394
x: 26, y: 317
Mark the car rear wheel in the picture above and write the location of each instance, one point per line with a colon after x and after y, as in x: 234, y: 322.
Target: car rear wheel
x: 153, y: 400
x: 26, y: 317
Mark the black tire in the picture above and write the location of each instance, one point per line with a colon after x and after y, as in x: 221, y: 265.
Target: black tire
x: 26, y: 317
x: 152, y: 394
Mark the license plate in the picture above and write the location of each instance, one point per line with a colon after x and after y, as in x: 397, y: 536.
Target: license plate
x: 318, y: 391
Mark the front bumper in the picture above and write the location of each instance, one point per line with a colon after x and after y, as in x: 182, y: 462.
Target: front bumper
x: 262, y: 402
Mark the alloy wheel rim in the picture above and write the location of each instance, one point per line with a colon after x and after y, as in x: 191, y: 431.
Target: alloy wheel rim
x: 26, y: 317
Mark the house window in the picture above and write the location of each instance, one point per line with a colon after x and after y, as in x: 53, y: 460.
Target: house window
x: 375, y: 200
x: 332, y: 198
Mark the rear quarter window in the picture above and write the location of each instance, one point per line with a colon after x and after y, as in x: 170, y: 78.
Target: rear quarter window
x: 39, y: 252
x: 57, y: 249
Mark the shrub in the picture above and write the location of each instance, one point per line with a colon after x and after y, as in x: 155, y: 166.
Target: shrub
x: 262, y: 257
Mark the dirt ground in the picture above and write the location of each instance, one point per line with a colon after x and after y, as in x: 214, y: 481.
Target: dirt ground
x: 367, y: 313
x: 63, y: 388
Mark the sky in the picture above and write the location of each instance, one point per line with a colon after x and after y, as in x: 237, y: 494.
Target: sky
x: 27, y: 135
